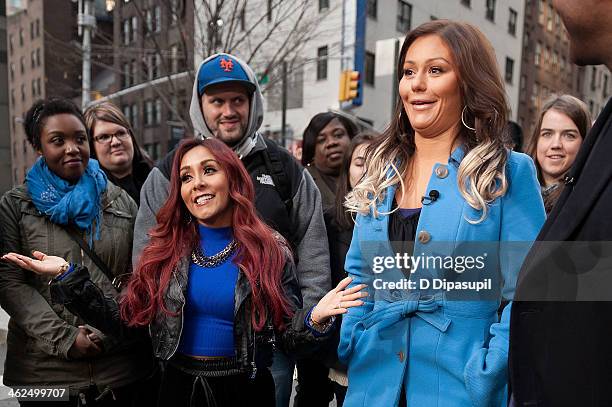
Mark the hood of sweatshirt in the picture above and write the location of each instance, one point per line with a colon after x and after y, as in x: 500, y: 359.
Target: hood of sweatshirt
x: 201, y: 130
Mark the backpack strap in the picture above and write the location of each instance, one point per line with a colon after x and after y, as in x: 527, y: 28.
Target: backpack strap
x: 273, y: 163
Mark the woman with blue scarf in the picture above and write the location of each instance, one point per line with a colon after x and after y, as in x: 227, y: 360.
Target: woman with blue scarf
x: 68, y: 208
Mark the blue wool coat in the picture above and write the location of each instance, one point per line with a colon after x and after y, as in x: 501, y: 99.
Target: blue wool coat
x: 446, y: 348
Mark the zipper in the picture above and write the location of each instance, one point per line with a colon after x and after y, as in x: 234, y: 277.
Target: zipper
x: 253, y: 365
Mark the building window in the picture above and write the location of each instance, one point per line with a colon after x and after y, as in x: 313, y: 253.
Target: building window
x: 33, y: 59
x: 593, y: 78
x: 127, y: 34
x: 148, y: 116
x: 538, y: 54
x: 541, y: 12
x: 32, y: 32
x: 371, y: 7
x: 555, y: 61
x: 11, y: 45
x: 13, y: 101
x: 33, y: 89
x: 135, y: 123
x: 404, y: 15
x: 535, y: 95
x: 512, y: 22
x: 157, y: 65
x: 563, y: 64
x: 547, y: 57
x: 523, y: 83
x: 466, y: 3
x: 490, y: 13
x: 148, y: 21
x: 38, y: 57
x: 12, y: 71
x: 549, y: 18
x: 157, y: 19
x: 22, y: 63
x: 37, y: 25
x: 23, y: 92
x: 39, y: 87
x: 322, y: 63
x: 134, y: 72
x: 174, y: 11
x: 369, y: 69
x: 134, y: 28
x: 323, y: 5
x: 509, y: 70
x: 604, y: 91
x: 174, y: 62
x: 21, y: 37
x: 158, y: 111
x: 153, y: 150
x: 126, y: 75
x: 126, y: 112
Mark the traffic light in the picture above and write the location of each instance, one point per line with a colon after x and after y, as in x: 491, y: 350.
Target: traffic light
x: 349, y: 85
x: 342, y: 89
x: 352, y: 85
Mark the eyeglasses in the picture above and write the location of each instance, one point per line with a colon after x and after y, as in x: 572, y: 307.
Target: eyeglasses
x: 106, y: 138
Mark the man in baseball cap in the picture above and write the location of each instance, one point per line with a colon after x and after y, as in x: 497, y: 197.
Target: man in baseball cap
x: 227, y: 104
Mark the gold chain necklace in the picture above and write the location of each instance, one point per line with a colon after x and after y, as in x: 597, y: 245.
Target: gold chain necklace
x: 198, y: 257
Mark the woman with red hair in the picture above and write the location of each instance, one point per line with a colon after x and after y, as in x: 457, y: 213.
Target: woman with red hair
x: 216, y: 287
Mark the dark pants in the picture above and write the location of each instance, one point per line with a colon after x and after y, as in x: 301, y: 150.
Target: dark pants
x: 132, y: 395
x: 340, y: 392
x: 314, y: 388
x: 180, y: 389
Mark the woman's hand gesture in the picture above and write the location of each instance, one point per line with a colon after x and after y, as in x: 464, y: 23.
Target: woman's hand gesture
x: 338, y: 300
x: 40, y: 264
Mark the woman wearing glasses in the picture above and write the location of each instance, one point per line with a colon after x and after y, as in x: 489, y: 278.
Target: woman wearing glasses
x: 113, y: 144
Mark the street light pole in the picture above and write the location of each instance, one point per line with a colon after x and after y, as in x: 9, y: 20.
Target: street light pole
x: 87, y: 23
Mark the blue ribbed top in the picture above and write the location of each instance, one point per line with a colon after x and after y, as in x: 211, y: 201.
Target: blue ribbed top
x: 208, y: 324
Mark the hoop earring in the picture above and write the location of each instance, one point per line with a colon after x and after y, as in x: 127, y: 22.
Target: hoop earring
x: 463, y: 120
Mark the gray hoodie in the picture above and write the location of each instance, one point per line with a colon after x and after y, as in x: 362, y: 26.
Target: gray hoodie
x: 304, y: 220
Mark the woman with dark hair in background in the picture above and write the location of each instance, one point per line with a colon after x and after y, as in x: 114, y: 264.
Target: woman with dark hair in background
x: 339, y: 234
x: 67, y: 208
x: 562, y: 125
x: 325, y: 141
x: 216, y: 287
x: 440, y: 184
x: 113, y: 144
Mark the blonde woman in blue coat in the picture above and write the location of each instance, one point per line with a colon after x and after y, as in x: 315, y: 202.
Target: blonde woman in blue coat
x: 442, y: 178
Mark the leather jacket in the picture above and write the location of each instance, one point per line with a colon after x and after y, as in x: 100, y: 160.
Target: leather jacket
x: 253, y: 349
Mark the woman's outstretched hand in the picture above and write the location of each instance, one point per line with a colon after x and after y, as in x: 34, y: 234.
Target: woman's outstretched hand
x: 338, y: 300
x: 40, y: 264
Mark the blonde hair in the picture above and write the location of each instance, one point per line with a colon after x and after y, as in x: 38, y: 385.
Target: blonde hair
x: 481, y: 175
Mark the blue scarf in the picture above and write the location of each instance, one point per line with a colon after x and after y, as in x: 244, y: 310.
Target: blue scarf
x: 64, y: 203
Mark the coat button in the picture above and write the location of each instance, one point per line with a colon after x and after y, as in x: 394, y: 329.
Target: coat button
x: 424, y: 236
x: 442, y: 171
x: 401, y: 356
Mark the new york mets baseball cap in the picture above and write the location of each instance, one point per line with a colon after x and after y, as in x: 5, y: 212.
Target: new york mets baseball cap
x: 222, y: 69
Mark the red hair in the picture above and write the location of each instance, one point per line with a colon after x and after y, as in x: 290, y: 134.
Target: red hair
x: 260, y: 256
